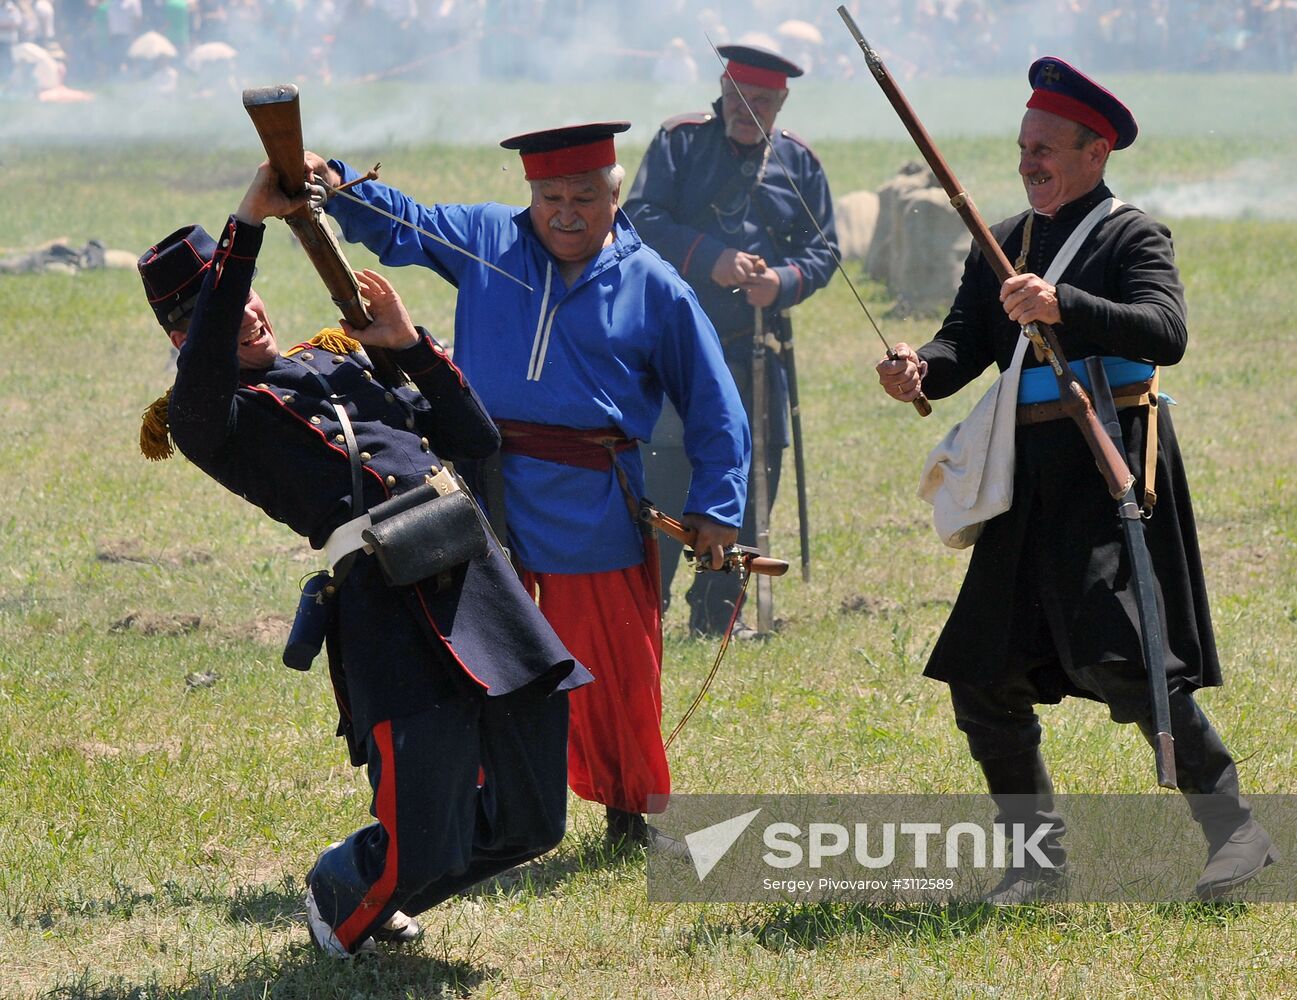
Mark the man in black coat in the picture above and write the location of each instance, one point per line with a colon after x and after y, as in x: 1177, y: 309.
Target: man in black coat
x: 1047, y: 608
x: 453, y: 690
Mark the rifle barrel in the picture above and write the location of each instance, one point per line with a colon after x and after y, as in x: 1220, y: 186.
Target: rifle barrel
x: 786, y: 348
x: 760, y: 477
x: 1076, y: 403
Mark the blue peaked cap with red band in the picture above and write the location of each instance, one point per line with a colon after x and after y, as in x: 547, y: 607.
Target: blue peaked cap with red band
x: 1063, y: 90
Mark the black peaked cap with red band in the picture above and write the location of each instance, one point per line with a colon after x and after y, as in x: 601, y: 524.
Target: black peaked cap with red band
x: 758, y: 67
x: 572, y: 149
x: 172, y: 273
x: 1063, y: 90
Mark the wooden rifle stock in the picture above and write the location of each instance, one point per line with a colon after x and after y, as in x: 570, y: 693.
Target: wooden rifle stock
x: 745, y: 554
x: 1072, y: 395
x: 276, y: 113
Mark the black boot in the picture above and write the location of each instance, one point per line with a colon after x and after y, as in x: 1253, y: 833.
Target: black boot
x: 1024, y: 795
x: 625, y: 829
x: 1237, y: 846
x: 711, y: 600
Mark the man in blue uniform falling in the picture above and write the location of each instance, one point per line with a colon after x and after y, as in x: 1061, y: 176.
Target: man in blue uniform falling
x: 572, y: 349
x: 452, y: 689
x: 719, y: 195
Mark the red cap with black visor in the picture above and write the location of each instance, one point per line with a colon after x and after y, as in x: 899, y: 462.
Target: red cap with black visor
x: 758, y: 67
x: 562, y: 152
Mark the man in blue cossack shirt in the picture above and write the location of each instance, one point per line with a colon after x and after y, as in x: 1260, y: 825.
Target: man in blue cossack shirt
x: 573, y: 337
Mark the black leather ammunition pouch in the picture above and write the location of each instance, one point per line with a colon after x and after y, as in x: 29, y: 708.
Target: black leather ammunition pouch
x: 423, y: 533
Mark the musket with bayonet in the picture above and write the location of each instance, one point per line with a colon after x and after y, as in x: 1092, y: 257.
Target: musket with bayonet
x: 276, y: 113
x: 760, y: 498
x: 786, y: 350
x: 1071, y: 393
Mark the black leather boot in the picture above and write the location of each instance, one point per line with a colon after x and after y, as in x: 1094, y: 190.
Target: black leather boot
x: 1024, y: 795
x: 711, y: 600
x: 625, y: 829
x: 1237, y: 845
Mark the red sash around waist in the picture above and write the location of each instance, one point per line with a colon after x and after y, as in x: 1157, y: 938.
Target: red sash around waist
x: 584, y: 448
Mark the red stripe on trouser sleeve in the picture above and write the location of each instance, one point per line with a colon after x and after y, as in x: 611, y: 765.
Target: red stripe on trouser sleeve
x: 380, y: 893
x: 612, y: 623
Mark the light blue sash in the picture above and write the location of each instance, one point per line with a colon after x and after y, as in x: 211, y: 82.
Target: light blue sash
x: 1038, y: 385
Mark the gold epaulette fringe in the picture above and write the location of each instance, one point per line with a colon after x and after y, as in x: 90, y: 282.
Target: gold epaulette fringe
x: 155, y: 434
x: 329, y: 339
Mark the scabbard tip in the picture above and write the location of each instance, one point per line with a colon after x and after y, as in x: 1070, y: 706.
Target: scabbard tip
x: 1164, y: 752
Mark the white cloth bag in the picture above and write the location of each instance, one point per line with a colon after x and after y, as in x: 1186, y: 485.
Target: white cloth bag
x: 968, y: 477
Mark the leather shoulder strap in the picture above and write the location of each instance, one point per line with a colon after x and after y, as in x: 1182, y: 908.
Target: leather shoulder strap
x: 1073, y: 243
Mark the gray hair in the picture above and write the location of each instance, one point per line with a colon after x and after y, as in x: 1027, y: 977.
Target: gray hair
x: 1085, y: 135
x: 612, y: 175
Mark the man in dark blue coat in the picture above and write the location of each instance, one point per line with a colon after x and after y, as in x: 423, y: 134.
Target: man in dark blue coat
x: 719, y: 195
x: 453, y: 690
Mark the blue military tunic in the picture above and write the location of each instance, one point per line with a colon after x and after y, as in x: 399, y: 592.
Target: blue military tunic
x: 697, y: 194
x: 598, y: 354
x: 272, y: 437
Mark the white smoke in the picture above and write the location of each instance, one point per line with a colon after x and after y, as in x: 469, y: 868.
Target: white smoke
x: 1253, y: 189
x: 597, y: 65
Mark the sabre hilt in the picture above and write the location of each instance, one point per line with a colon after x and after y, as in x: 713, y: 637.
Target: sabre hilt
x: 740, y: 557
x: 920, y: 401
x: 736, y: 556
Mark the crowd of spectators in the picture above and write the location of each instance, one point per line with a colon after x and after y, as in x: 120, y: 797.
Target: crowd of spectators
x: 92, y: 43
x: 990, y: 36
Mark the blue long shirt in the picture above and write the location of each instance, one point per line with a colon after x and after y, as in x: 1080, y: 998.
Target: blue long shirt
x: 598, y: 354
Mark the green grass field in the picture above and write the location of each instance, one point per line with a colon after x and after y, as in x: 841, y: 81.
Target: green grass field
x: 157, y: 823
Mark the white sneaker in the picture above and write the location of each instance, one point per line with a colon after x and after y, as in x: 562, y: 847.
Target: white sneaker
x: 399, y: 928
x: 325, y: 940
x: 662, y: 843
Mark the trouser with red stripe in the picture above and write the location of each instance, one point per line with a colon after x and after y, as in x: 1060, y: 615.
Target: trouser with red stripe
x: 438, y: 832
x: 612, y: 623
